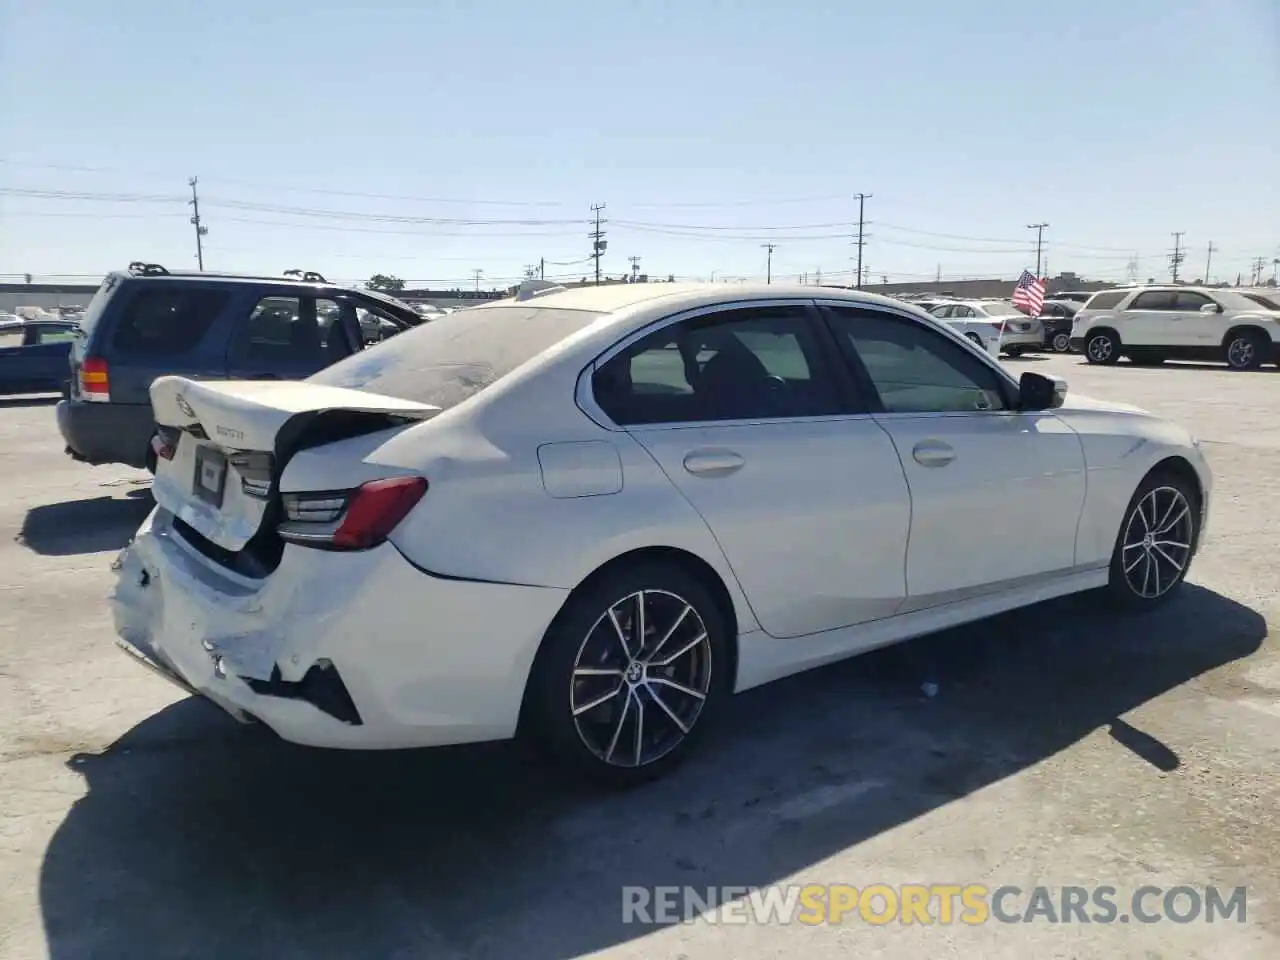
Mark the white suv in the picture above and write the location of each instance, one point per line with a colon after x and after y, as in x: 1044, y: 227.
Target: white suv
x: 1152, y: 324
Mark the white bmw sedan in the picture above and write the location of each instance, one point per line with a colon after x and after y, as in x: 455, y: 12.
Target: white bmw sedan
x: 591, y: 517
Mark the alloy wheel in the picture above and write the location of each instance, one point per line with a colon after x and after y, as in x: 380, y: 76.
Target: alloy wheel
x: 1157, y: 542
x: 1061, y: 342
x: 641, y: 678
x: 1100, y: 348
x: 1240, y: 353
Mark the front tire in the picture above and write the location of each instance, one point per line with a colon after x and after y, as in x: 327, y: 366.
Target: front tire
x: 1245, y: 350
x: 1156, y: 542
x: 631, y: 675
x: 1062, y: 342
x: 1102, y: 348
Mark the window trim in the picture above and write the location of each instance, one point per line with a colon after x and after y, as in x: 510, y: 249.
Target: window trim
x: 1011, y: 388
x: 849, y: 393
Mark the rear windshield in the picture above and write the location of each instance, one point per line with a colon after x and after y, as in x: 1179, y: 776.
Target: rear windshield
x: 1262, y: 301
x: 450, y: 359
x: 93, y: 312
x: 1105, y: 301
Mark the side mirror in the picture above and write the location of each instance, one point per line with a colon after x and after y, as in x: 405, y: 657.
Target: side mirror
x: 1211, y: 308
x: 1036, y: 391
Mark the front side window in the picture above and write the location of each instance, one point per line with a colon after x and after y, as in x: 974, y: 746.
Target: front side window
x: 1189, y: 301
x: 915, y: 369
x: 283, y: 333
x: 749, y: 364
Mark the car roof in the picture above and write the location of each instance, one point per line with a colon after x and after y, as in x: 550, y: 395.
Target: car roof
x: 619, y: 297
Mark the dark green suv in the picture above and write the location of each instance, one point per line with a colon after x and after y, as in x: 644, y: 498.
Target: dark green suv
x: 147, y: 321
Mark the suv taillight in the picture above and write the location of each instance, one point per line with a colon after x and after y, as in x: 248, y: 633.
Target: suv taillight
x: 350, y: 519
x: 94, y: 383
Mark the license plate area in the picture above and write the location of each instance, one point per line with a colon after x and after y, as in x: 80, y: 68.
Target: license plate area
x: 210, y: 482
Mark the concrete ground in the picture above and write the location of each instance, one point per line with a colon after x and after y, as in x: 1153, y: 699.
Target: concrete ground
x: 1062, y: 747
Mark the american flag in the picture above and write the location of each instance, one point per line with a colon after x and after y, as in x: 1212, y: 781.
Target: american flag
x: 1028, y: 295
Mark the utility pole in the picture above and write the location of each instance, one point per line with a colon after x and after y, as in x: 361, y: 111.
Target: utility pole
x: 1259, y: 267
x: 477, y: 273
x: 542, y: 268
x: 768, y: 270
x: 530, y: 271
x: 1208, y: 261
x: 635, y: 268
x: 937, y: 277
x: 201, y: 229
x: 1176, y: 258
x: 862, y: 239
x: 599, y: 244
x: 1039, y: 229
x: 818, y: 282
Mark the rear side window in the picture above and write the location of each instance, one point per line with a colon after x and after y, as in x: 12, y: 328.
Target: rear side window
x: 449, y: 360
x: 166, y: 321
x: 1153, y: 300
x: 1264, y: 302
x: 1107, y: 300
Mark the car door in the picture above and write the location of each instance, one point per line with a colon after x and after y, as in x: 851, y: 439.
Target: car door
x: 746, y: 410
x: 45, y: 353
x: 996, y: 493
x: 1193, y: 326
x: 1148, y: 320
x: 13, y: 378
x: 290, y: 336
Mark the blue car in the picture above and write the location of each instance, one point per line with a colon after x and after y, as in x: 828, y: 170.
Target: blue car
x: 34, y: 355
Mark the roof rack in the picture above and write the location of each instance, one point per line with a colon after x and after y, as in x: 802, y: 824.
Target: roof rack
x: 140, y: 269
x: 306, y: 276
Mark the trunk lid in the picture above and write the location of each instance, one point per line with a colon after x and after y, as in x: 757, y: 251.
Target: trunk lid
x: 226, y: 444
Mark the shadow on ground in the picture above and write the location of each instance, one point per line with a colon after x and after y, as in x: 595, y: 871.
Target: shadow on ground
x: 85, y: 526
x: 199, y: 838
x: 30, y: 400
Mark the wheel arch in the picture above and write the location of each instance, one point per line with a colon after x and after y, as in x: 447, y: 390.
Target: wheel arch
x: 1181, y: 468
x: 684, y: 560
x: 1242, y: 328
x: 1104, y: 328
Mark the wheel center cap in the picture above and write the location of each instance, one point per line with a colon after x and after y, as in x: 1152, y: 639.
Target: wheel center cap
x: 634, y: 672
x: 1148, y: 541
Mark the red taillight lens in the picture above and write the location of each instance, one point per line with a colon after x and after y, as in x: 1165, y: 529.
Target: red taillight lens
x: 375, y: 509
x: 94, y: 383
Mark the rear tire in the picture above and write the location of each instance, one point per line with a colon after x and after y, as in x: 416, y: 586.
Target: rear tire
x: 1062, y: 342
x: 1102, y: 348
x: 620, y: 709
x: 1246, y: 350
x: 975, y: 339
x: 1156, y: 542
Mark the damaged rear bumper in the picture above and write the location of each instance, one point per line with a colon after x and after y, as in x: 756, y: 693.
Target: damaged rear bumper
x: 347, y: 650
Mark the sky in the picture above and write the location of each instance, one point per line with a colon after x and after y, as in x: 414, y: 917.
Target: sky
x: 436, y: 138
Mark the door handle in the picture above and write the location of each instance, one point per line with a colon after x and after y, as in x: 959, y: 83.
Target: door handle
x: 933, y: 453
x: 713, y: 463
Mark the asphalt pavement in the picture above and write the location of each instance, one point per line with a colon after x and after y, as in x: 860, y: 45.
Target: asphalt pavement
x: 1057, y: 746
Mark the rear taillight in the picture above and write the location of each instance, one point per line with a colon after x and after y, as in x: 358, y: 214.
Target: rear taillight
x: 350, y: 519
x: 94, y: 383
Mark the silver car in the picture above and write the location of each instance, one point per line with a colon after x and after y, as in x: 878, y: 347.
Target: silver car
x: 987, y: 319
